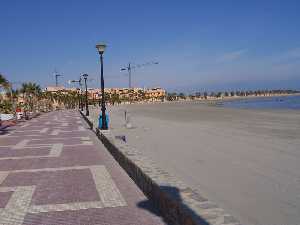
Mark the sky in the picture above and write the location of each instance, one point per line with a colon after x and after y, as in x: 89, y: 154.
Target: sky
x: 200, y: 45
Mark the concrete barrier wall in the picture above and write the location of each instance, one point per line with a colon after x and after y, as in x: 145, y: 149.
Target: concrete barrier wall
x: 179, y: 204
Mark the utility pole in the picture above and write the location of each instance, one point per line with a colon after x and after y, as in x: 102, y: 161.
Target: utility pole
x: 80, y: 100
x: 87, y: 113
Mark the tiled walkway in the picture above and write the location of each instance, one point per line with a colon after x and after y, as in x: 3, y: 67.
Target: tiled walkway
x: 53, y: 171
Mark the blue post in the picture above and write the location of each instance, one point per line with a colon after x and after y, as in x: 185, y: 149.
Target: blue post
x: 100, y: 120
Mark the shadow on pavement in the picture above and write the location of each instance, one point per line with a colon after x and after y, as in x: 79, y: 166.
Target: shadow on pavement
x: 150, y: 206
x: 164, y: 210
x: 3, y: 131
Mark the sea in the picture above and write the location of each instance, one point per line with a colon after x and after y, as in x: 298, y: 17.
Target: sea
x: 276, y: 102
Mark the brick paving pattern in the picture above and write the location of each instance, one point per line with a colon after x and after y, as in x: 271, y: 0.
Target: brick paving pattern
x: 53, y: 171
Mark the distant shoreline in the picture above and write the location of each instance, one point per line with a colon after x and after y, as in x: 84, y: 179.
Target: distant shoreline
x: 260, y: 96
x: 238, y: 98
x: 210, y: 101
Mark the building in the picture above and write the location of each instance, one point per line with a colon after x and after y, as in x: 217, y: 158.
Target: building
x: 123, y: 94
x: 60, y: 89
x: 155, y: 94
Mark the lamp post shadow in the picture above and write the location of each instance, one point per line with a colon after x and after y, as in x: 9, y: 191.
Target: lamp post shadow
x: 173, y: 206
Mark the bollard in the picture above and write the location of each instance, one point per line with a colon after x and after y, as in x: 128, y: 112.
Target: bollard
x: 128, y: 125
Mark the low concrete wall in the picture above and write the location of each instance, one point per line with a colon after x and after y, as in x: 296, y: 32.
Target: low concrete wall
x: 179, y: 204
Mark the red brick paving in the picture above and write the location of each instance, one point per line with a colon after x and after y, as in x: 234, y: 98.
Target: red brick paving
x: 7, y: 152
x: 66, y: 190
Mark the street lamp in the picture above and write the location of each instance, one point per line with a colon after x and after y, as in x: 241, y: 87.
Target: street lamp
x: 80, y: 103
x: 80, y: 83
x: 87, y: 113
x: 101, y: 48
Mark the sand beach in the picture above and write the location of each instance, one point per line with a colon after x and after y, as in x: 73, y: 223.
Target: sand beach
x: 247, y: 161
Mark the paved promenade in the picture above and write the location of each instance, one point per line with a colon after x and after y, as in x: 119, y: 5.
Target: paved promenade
x: 53, y: 171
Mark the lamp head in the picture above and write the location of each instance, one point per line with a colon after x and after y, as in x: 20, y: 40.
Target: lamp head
x: 101, y: 48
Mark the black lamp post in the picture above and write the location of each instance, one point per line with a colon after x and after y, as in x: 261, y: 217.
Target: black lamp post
x: 80, y: 102
x: 101, y: 49
x: 87, y: 113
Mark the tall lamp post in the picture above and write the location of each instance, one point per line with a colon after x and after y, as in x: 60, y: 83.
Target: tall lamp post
x: 87, y: 113
x: 81, y: 100
x: 101, y: 48
x: 80, y: 103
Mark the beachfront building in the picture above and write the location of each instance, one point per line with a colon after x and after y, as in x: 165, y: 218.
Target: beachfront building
x: 155, y: 94
x: 116, y: 94
x: 61, y: 89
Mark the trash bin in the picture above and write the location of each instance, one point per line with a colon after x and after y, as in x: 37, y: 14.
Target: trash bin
x: 100, y: 120
x: 19, y: 113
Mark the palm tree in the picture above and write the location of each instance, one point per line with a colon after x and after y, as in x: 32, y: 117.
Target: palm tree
x: 141, y: 95
x: 5, y: 106
x: 4, y: 82
x: 212, y: 94
x: 49, y: 100
x: 182, y: 95
x: 72, y: 99
x: 31, y: 92
x: 219, y: 95
x: 115, y: 98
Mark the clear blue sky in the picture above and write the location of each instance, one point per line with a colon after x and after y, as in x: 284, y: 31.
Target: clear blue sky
x: 203, y: 45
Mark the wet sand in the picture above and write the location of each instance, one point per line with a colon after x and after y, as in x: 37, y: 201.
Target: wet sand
x: 247, y: 161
